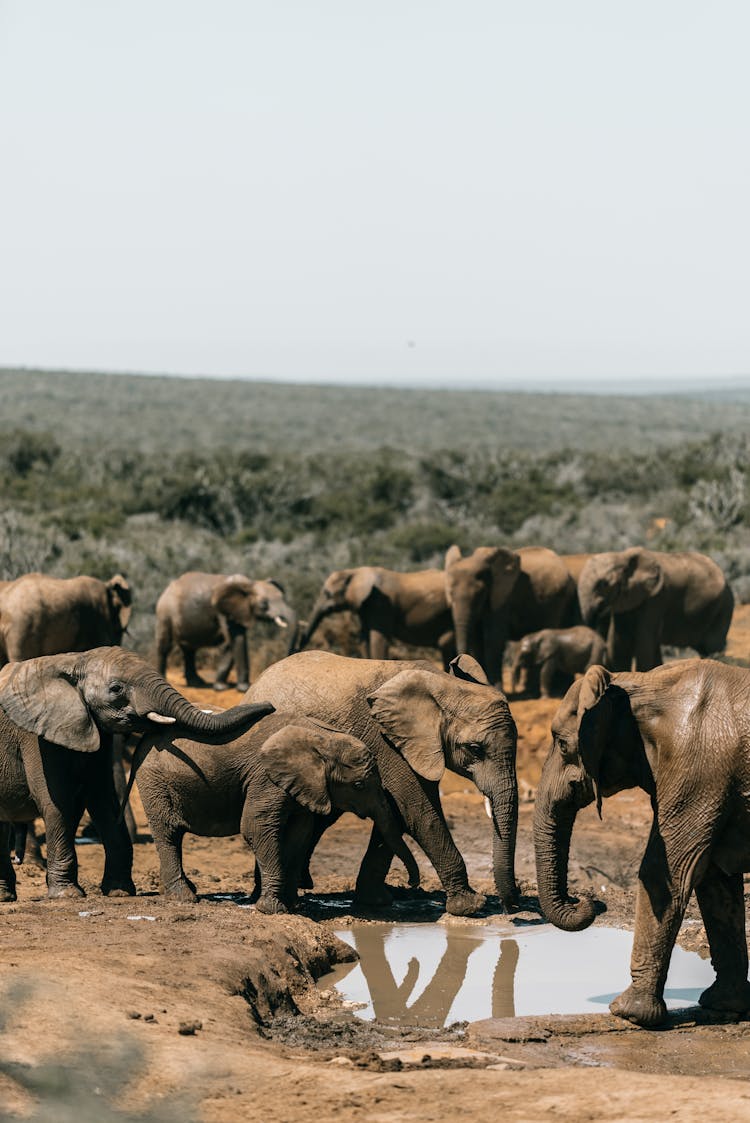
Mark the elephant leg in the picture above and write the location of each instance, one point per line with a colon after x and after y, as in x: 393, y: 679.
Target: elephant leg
x: 547, y: 678
x: 493, y: 652
x: 121, y: 785
x: 192, y: 678
x: 721, y: 900
x: 371, y: 888
x: 7, y: 872
x: 174, y: 882
x: 377, y: 644
x: 664, y: 888
x: 263, y: 832
x: 60, y: 824
x: 240, y: 657
x: 296, y: 844
x: 163, y: 645
x: 224, y: 666
x: 103, y: 806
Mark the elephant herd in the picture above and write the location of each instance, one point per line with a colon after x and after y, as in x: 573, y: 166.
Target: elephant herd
x: 319, y: 734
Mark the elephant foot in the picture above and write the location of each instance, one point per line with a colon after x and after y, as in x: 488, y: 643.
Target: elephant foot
x: 640, y: 1007
x: 124, y: 888
x: 270, y: 905
x: 731, y: 998
x: 243, y: 687
x: 62, y: 891
x: 306, y: 881
x: 509, y: 901
x: 183, y: 891
x: 373, y: 897
x: 7, y: 893
x: 220, y: 686
x: 196, y: 682
x: 465, y: 903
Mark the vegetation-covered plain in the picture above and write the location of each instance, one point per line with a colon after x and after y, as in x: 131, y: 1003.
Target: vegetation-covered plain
x: 154, y: 476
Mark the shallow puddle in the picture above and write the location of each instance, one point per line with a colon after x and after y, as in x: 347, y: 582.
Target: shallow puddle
x: 433, y: 974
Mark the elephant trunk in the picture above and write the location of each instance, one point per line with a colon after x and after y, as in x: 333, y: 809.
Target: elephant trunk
x: 502, y: 806
x: 462, y: 624
x: 319, y: 612
x: 288, y: 619
x: 553, y: 827
x: 156, y: 698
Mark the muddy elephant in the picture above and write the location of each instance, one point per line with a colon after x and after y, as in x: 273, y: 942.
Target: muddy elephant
x: 417, y: 721
x: 411, y: 607
x: 655, y: 598
x: 267, y: 785
x: 680, y: 733
x: 553, y: 657
x: 42, y: 615
x: 58, y: 716
x: 497, y: 594
x: 212, y: 609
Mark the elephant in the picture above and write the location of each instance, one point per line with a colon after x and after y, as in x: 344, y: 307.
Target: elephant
x: 58, y: 717
x: 411, y: 607
x: 417, y: 721
x: 655, y: 598
x: 497, y: 594
x: 42, y: 615
x: 211, y: 609
x: 554, y: 654
x: 268, y: 785
x: 680, y: 733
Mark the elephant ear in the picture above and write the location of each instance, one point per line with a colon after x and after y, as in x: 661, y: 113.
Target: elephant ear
x: 503, y: 566
x: 234, y: 598
x: 41, y: 696
x: 361, y: 585
x: 642, y: 575
x: 453, y: 554
x: 294, y: 764
x: 467, y: 668
x: 593, y: 723
x: 120, y: 598
x: 409, y: 715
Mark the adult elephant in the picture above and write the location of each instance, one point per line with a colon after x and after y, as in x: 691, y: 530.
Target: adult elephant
x: 58, y: 717
x: 654, y: 598
x: 417, y: 721
x: 213, y: 609
x: 267, y: 785
x: 411, y: 607
x: 555, y: 654
x: 42, y: 615
x: 497, y: 594
x: 680, y: 733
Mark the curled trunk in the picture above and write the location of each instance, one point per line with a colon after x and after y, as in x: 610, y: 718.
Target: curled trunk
x: 553, y: 827
x: 156, y: 695
x: 319, y: 613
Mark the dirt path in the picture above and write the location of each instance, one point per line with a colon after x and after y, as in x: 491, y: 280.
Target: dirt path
x: 144, y: 1009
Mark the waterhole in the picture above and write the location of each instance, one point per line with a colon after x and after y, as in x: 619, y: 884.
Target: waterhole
x: 430, y: 975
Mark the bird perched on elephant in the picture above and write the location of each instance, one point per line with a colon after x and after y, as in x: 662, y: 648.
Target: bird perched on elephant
x: 497, y: 594
x: 655, y: 598
x: 215, y: 610
x: 682, y: 734
x: 417, y: 721
x: 268, y: 785
x: 58, y: 717
x: 411, y: 607
x: 553, y: 657
x: 42, y: 615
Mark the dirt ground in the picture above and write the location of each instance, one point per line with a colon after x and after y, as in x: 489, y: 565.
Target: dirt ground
x: 138, y: 1008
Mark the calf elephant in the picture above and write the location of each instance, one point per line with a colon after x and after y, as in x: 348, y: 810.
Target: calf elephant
x: 211, y: 609
x: 656, y: 598
x: 268, y: 785
x: 42, y: 615
x: 680, y: 732
x: 411, y: 607
x: 497, y: 594
x: 417, y: 721
x: 58, y: 716
x: 556, y: 655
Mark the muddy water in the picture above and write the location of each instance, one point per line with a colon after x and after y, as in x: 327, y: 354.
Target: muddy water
x: 430, y: 975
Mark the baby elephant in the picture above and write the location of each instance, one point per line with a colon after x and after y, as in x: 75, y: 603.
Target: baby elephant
x: 268, y: 786
x: 554, y: 656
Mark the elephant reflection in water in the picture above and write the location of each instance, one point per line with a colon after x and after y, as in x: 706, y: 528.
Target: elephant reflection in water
x: 391, y: 1001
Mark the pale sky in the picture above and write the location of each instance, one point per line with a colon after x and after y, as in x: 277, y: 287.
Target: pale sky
x: 412, y: 191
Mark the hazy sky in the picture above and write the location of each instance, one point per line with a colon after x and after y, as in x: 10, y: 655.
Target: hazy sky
x: 411, y: 190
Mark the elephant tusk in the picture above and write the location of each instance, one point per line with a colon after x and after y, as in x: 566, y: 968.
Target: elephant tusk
x: 280, y: 621
x: 160, y: 719
x: 488, y: 807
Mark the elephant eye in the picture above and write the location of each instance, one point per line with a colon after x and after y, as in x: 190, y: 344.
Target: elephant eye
x: 116, y: 688
x: 358, y: 784
x: 475, y: 747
